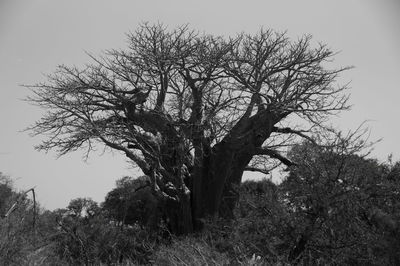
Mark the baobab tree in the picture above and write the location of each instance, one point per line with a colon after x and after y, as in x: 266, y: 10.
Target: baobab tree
x: 192, y: 111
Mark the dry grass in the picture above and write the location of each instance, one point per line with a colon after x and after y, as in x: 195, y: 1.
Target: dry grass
x: 189, y: 251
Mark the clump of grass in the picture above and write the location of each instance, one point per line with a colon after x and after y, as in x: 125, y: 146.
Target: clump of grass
x: 197, y: 250
x: 189, y: 251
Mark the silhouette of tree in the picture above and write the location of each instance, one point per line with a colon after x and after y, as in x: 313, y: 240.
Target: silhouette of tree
x: 192, y: 111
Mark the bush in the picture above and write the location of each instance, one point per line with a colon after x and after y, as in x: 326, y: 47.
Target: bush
x: 24, y: 237
x: 132, y: 202
x: 87, y: 237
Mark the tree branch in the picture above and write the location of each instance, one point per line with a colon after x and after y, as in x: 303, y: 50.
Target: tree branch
x: 255, y: 169
x: 288, y: 130
x: 274, y: 154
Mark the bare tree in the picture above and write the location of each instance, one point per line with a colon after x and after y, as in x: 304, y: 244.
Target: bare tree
x: 192, y: 111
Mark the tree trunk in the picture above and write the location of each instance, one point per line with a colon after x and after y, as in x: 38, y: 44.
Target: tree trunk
x: 228, y: 160
x: 218, y: 171
x: 236, y: 154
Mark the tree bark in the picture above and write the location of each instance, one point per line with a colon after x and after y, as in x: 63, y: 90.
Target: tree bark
x: 229, y: 159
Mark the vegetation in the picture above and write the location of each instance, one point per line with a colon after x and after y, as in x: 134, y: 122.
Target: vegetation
x: 194, y: 112
x: 335, y: 207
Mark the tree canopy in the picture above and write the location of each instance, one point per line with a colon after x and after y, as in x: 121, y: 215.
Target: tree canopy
x: 193, y: 111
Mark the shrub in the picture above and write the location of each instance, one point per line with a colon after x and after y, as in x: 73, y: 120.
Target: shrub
x: 89, y: 237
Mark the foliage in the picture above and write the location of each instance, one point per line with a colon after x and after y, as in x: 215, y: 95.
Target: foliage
x: 87, y: 238
x: 336, y: 207
x: 258, y: 235
x: 132, y: 202
x: 5, y: 192
x: 342, y: 207
x: 15, y: 239
x: 23, y: 242
x: 262, y: 220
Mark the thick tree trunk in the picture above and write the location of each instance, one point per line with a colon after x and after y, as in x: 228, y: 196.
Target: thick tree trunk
x: 220, y: 168
x: 218, y: 171
x: 228, y: 160
x: 230, y: 194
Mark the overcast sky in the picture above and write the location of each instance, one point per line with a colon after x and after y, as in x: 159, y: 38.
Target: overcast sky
x: 38, y: 35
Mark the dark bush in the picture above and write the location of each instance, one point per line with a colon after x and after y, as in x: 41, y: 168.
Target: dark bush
x: 86, y: 237
x: 132, y: 202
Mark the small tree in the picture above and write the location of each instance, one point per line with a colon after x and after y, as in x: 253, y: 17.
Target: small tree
x: 132, y: 202
x: 192, y: 111
x: 6, y: 192
x: 341, y: 204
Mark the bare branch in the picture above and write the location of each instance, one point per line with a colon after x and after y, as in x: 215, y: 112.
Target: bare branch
x: 274, y: 154
x: 288, y: 130
x: 255, y: 169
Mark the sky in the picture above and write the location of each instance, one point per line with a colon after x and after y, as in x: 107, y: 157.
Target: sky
x: 38, y: 35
